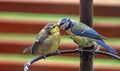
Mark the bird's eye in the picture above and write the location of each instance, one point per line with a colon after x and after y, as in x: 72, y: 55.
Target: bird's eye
x: 61, y: 23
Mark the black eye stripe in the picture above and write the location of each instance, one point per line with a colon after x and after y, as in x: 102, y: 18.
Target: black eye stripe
x: 68, y: 20
x: 61, y: 24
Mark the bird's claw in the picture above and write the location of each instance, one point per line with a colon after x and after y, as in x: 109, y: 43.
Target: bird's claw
x: 44, y: 56
x: 58, y: 52
x: 97, y: 48
x: 94, y: 50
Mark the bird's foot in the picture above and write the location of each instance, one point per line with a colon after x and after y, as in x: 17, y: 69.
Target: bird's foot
x: 44, y: 56
x: 58, y: 52
x: 79, y: 50
x: 97, y: 48
x: 94, y: 50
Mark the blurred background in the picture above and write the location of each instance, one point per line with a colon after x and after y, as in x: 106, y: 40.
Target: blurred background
x: 21, y: 20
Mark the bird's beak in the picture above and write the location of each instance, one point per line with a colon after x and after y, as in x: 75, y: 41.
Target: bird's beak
x: 56, y: 29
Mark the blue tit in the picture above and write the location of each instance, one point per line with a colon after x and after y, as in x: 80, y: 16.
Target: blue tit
x: 47, y: 40
x: 83, y: 35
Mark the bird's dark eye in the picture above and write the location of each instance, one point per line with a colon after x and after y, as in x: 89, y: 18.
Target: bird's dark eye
x: 62, y: 23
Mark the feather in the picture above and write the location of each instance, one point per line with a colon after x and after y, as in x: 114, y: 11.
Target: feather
x: 106, y: 46
x: 37, y: 43
x: 86, y: 32
x: 27, y: 49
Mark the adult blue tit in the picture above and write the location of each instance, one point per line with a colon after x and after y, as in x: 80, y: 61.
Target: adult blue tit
x: 82, y: 34
x: 47, y: 40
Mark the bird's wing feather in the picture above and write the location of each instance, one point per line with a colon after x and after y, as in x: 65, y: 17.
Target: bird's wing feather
x: 87, y: 33
x: 45, y: 47
x: 38, y: 42
x: 27, y: 49
x: 111, y: 50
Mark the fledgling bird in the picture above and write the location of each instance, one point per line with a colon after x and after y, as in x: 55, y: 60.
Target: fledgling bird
x: 47, y: 40
x: 83, y: 35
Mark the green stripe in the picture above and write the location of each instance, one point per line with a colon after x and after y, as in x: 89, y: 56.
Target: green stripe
x: 74, y: 60
x: 52, y: 17
x: 34, y: 16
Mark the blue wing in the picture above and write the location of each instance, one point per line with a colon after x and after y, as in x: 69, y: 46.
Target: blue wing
x: 111, y: 50
x: 87, y: 33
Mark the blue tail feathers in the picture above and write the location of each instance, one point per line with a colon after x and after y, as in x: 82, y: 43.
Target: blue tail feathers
x: 111, y: 50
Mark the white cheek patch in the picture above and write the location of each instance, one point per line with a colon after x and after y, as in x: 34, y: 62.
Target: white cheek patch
x: 67, y: 24
x: 58, y: 22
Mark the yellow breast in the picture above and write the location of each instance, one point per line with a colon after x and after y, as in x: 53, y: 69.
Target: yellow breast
x: 55, y: 42
x: 82, y: 41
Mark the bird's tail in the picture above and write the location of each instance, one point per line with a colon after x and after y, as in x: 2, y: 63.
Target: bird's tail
x: 27, y: 49
x: 111, y: 50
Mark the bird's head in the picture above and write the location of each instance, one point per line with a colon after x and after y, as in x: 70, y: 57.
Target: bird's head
x: 65, y: 23
x: 51, y: 28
